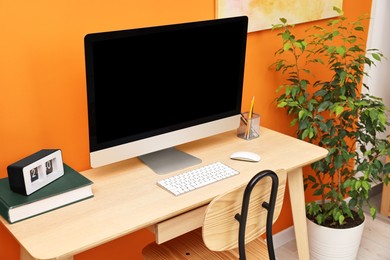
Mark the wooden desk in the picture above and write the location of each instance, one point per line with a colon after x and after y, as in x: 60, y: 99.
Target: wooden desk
x: 127, y: 198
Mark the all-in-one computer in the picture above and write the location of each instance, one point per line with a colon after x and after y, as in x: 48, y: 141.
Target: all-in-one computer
x: 151, y: 89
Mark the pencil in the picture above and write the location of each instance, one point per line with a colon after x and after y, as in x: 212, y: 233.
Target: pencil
x: 243, y: 119
x: 248, y: 125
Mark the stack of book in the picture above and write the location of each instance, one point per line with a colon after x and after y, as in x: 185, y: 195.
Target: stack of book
x: 70, y: 188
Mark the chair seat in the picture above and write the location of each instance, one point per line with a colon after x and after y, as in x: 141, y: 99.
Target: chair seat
x: 191, y: 246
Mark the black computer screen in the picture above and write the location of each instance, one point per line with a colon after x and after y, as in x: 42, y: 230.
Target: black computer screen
x: 145, y: 82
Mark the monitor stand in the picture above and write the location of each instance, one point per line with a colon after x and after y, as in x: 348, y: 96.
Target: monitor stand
x: 168, y: 160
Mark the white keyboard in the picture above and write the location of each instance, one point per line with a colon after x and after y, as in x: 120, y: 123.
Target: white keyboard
x: 196, y: 178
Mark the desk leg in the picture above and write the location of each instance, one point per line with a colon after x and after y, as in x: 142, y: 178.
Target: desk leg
x: 297, y: 197
x: 24, y: 255
x: 385, y: 203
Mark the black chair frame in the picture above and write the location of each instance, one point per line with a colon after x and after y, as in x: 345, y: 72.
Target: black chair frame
x: 269, y: 206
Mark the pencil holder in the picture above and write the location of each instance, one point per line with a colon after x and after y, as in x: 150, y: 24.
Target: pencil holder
x: 249, y: 127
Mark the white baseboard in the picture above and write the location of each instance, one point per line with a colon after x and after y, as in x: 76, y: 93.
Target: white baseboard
x: 283, y: 237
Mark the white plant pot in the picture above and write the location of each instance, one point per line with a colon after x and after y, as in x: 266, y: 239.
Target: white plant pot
x: 331, y: 244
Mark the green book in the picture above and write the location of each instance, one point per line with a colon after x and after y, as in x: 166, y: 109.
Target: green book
x: 69, y: 188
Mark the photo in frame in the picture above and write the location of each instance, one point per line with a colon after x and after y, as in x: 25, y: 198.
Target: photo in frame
x: 263, y: 14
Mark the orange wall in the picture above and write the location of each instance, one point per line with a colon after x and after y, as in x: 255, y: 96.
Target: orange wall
x: 43, y: 93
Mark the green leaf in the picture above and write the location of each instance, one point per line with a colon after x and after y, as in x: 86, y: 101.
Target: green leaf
x: 298, y: 44
x: 341, y: 50
x: 341, y: 219
x: 294, y: 91
x: 286, y: 35
x: 338, y: 10
x: 304, y: 44
x: 305, y: 133
x: 359, y: 28
x: 373, y: 114
x: 279, y: 88
x: 338, y: 161
x: 365, y: 185
x: 279, y: 65
x: 339, y: 110
x: 294, y: 121
x: 287, y: 46
x: 303, y: 83
x: 311, y: 178
x: 288, y: 90
x: 382, y: 119
x: 358, y: 184
x: 342, y: 76
x: 311, y: 133
x: 373, y: 212
x: 376, y: 56
x: 323, y: 106
x: 301, y: 114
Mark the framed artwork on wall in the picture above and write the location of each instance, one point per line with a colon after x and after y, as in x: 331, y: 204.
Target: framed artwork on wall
x: 263, y: 14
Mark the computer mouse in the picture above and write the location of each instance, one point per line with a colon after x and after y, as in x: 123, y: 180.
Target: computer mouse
x: 245, y: 156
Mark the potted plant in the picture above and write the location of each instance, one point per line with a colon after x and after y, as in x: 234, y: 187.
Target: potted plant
x: 331, y: 110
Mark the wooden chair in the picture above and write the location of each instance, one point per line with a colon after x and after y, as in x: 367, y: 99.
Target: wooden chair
x: 233, y: 224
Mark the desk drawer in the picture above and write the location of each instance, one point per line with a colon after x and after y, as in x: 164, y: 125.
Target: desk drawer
x: 179, y: 225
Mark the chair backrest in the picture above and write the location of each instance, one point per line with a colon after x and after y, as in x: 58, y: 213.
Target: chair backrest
x: 221, y: 228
